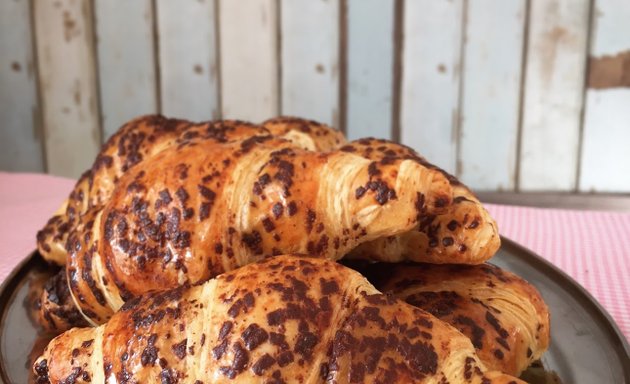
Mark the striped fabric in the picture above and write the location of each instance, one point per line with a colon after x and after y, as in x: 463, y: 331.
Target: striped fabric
x: 592, y: 247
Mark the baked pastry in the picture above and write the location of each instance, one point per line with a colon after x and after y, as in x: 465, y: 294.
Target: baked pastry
x: 464, y: 233
x: 213, y: 202
x: 50, y: 305
x: 504, y: 316
x: 143, y: 137
x: 285, y: 319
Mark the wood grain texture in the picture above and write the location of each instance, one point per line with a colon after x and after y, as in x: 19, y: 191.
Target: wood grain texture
x: 256, y: 59
x: 310, y: 59
x: 188, y: 59
x: 553, y: 94
x: 249, y: 59
x: 605, y: 157
x: 491, y: 93
x: 20, y: 138
x: 126, y: 61
x: 564, y: 200
x: 370, y: 68
x: 430, y: 80
x: 65, y: 51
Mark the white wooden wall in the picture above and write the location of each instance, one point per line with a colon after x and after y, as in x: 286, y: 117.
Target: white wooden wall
x: 509, y: 95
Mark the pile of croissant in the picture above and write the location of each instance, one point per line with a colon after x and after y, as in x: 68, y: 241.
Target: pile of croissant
x: 278, y: 252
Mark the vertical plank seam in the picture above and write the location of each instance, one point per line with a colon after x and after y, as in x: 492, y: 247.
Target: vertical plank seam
x: 521, y: 107
x: 342, y: 104
x: 397, y: 67
x: 38, y: 115
x: 279, y: 104
x: 97, y: 77
x: 217, y: 58
x: 457, y: 124
x: 156, y: 56
x: 278, y: 32
x: 590, y: 28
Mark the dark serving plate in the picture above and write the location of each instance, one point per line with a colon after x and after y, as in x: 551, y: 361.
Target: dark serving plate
x: 586, y: 345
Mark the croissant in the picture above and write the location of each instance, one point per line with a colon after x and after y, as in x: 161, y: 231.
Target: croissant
x: 285, y: 319
x: 463, y: 234
x: 504, y: 316
x: 308, y: 134
x: 211, y: 203
x: 145, y: 136
x: 136, y: 141
x: 50, y: 305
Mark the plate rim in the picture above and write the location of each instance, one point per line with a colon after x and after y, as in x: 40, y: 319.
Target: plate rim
x: 8, y: 289
x: 586, y: 297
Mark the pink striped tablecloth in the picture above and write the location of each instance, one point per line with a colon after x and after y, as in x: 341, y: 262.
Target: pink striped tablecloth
x: 593, y: 247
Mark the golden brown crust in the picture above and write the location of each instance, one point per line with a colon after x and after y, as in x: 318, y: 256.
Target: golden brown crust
x: 463, y: 234
x: 169, y: 202
x: 145, y: 136
x: 285, y: 319
x: 50, y: 304
x: 220, y: 195
x: 504, y: 316
x: 134, y: 142
x: 195, y: 212
x: 294, y: 128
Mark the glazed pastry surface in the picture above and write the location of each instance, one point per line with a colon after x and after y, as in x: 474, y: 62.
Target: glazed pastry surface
x: 503, y: 315
x: 286, y: 319
x: 464, y: 233
x: 220, y: 195
x: 140, y: 139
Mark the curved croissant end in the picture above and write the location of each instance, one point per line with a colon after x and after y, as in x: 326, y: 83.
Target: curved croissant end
x: 504, y: 316
x: 464, y: 233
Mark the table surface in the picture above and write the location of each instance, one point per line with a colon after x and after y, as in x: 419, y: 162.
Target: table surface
x: 591, y: 246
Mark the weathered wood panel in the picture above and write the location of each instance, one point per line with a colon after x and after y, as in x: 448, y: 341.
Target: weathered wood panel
x: 310, y: 59
x: 462, y: 65
x: 491, y: 93
x: 553, y: 97
x: 126, y: 61
x: 370, y: 68
x: 249, y: 59
x: 68, y: 86
x: 188, y: 57
x: 430, y: 81
x: 605, y: 162
x: 20, y: 135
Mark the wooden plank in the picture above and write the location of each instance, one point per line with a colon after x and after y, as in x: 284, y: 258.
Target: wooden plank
x: 188, y: 58
x: 126, y: 61
x: 553, y: 94
x: 65, y: 51
x: 562, y: 200
x: 430, y: 80
x: 310, y: 59
x: 20, y: 138
x: 491, y: 93
x: 605, y: 155
x: 370, y: 68
x: 249, y: 59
